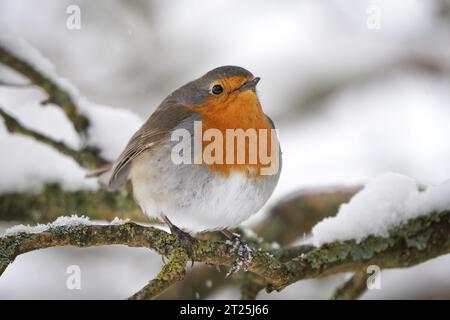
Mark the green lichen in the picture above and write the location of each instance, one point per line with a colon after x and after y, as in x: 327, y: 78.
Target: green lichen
x: 329, y: 253
x: 370, y: 247
x: 175, y: 268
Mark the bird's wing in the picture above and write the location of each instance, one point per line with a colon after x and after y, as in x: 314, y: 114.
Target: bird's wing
x: 155, y: 129
x: 270, y: 121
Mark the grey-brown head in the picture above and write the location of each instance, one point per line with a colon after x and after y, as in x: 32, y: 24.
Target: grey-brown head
x: 219, y: 81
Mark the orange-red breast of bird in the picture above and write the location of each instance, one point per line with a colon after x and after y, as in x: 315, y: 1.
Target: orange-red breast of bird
x: 233, y: 110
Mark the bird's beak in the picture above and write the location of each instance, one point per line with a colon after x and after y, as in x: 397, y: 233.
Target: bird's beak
x: 249, y: 85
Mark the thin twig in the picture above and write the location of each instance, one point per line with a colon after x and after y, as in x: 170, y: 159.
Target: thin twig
x: 353, y: 288
x: 173, y: 271
x: 86, y: 157
x: 14, y: 85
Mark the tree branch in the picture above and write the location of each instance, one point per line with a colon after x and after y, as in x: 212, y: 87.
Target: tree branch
x: 251, y: 285
x: 87, y: 157
x: 418, y: 240
x: 55, y: 93
x: 287, y: 221
x: 53, y: 201
x: 353, y: 288
x: 172, y: 272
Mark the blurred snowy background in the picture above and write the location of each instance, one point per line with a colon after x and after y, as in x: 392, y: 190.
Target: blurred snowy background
x: 353, y: 97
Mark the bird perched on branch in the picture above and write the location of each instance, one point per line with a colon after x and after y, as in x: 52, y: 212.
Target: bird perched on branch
x: 187, y: 163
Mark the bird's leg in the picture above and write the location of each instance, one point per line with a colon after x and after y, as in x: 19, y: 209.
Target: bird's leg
x: 184, y: 238
x: 241, y: 249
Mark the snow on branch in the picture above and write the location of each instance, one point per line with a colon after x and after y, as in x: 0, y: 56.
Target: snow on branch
x: 87, y: 157
x: 387, y: 201
x: 415, y: 241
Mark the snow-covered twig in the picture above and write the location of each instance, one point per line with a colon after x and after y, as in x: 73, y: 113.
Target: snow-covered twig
x: 416, y: 241
x: 86, y: 157
x: 102, y: 131
x: 56, y: 94
x: 353, y: 288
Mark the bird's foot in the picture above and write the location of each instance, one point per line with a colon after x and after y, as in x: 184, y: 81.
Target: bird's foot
x: 185, y: 240
x: 243, y: 252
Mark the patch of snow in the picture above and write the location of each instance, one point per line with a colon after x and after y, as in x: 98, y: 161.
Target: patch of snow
x: 387, y: 201
x: 65, y: 221
x: 117, y: 221
x: 110, y: 128
x: 25, y: 229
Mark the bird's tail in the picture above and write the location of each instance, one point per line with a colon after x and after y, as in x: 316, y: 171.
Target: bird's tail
x: 103, y: 174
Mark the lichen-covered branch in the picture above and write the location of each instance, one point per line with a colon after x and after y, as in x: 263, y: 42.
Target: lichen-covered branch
x: 199, y: 283
x: 53, y: 201
x: 251, y: 285
x: 418, y: 240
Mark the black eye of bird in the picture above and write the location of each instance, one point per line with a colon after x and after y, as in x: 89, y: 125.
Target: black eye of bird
x: 217, y: 89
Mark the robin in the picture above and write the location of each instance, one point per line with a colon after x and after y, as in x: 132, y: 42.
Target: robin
x: 209, y: 195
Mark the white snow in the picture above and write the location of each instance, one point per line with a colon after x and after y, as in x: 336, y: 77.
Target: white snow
x: 110, y: 128
x: 387, y: 201
x: 68, y: 221
x: 49, y: 120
